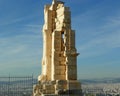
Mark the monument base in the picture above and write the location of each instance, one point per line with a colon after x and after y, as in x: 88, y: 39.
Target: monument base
x: 58, y: 88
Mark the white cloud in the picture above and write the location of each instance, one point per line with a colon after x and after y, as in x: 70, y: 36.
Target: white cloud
x: 36, y: 29
x: 100, y: 45
x: 100, y: 40
x: 11, y: 21
x: 112, y: 22
x: 19, y: 45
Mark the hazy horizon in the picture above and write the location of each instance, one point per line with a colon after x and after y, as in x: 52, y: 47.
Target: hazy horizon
x: 97, y: 26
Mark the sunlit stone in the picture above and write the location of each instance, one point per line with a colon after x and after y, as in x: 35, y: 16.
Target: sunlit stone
x: 59, y: 62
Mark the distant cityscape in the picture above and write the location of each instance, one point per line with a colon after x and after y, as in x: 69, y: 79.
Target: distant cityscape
x: 103, y: 87
x: 23, y: 86
x: 17, y: 86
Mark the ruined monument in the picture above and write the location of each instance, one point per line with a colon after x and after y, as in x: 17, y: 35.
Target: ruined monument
x: 59, y: 62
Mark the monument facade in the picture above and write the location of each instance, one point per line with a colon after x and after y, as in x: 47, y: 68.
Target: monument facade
x: 59, y: 62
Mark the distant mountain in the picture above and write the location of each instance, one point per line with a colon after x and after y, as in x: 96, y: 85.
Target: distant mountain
x: 106, y: 80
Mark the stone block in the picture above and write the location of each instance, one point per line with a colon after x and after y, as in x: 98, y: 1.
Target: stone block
x: 51, y: 87
x: 57, y: 63
x: 53, y: 82
x: 60, y: 68
x: 74, y: 84
x: 49, y: 91
x: 62, y: 59
x: 59, y: 77
x: 61, y: 82
x: 62, y: 62
x: 62, y: 72
x: 59, y: 72
x: 61, y: 87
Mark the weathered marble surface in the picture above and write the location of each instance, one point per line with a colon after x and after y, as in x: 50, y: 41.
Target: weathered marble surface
x: 59, y: 62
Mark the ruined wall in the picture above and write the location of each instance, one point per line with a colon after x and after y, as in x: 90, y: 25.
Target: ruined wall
x: 59, y: 63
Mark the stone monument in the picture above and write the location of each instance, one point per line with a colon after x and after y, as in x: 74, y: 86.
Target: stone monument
x: 59, y: 62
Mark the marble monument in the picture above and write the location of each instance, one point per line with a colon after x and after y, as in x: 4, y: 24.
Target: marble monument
x: 59, y: 62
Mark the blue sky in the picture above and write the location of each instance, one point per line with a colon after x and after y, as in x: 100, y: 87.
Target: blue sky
x: 97, y: 25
